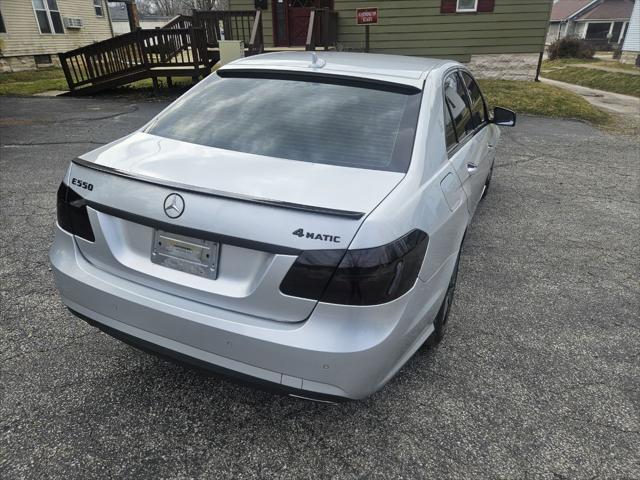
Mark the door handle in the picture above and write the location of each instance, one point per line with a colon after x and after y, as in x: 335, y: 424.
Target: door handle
x: 472, y: 167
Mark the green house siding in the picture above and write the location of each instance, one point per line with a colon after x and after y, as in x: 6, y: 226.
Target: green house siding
x: 416, y: 27
x: 267, y: 18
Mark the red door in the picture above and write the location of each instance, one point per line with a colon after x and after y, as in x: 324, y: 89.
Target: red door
x: 291, y: 20
x: 298, y: 25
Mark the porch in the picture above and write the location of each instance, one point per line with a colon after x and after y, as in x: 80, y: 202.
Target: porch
x: 603, y: 35
x: 188, y: 46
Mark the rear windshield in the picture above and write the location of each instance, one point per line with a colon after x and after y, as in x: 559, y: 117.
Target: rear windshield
x: 320, y: 121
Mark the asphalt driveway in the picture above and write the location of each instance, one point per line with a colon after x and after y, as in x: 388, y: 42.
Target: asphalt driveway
x: 538, y: 376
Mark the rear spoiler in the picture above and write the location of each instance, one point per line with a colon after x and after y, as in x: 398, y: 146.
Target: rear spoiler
x: 219, y: 194
x: 319, y: 77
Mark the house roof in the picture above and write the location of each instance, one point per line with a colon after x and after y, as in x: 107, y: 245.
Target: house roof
x: 118, y: 13
x: 563, y: 9
x: 609, y: 10
x: 582, y: 10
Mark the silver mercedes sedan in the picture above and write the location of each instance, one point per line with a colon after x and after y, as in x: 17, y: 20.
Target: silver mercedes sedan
x: 294, y: 220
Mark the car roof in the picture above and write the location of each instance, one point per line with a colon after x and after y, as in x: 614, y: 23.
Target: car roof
x: 389, y: 68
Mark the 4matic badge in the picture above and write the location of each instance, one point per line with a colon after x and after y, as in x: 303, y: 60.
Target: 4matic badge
x: 317, y: 236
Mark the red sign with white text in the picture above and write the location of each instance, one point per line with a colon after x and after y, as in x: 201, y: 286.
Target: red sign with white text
x: 367, y: 16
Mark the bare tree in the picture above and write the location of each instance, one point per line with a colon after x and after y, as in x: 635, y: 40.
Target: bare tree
x: 207, y: 4
x: 175, y: 7
x: 146, y: 7
x: 167, y: 7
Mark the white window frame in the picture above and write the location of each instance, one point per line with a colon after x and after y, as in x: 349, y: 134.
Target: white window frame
x: 98, y: 4
x: 48, y: 12
x: 466, y: 10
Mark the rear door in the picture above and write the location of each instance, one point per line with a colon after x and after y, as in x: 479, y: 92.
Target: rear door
x: 482, y: 138
x: 469, y: 152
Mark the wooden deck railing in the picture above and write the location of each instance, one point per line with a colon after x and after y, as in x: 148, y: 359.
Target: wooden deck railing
x: 135, y: 53
x: 174, y: 47
x: 180, y: 21
x: 322, y: 30
x: 186, y: 46
x: 231, y: 25
x: 256, y: 42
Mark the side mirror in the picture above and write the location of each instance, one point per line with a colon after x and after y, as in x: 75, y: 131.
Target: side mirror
x: 504, y: 117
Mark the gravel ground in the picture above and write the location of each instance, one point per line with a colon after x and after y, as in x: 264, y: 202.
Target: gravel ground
x: 538, y: 376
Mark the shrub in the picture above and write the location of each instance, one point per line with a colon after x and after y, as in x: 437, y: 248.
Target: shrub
x: 570, y: 48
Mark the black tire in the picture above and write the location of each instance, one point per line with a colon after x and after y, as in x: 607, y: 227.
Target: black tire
x: 487, y: 183
x: 443, y: 314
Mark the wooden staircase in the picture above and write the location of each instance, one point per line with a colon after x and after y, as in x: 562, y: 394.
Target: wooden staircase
x: 188, y: 46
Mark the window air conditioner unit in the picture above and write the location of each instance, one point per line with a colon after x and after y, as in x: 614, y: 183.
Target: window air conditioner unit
x: 73, y: 22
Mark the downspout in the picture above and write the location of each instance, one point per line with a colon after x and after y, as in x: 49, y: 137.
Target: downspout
x: 537, y: 79
x: 544, y: 47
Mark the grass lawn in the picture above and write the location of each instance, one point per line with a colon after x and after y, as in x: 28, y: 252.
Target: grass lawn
x: 30, y: 82
x: 144, y: 88
x: 522, y: 97
x: 45, y: 79
x: 541, y: 99
x: 563, y: 62
x: 568, y: 70
x: 616, y: 82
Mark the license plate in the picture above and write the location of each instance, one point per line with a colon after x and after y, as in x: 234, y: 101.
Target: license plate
x: 186, y: 254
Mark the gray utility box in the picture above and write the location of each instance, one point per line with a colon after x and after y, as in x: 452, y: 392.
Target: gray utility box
x: 230, y: 50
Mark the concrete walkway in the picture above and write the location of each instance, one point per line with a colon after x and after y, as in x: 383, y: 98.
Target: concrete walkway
x: 51, y: 93
x: 612, y: 102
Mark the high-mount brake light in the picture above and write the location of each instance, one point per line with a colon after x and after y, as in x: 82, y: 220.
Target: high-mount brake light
x: 72, y: 213
x: 368, y: 276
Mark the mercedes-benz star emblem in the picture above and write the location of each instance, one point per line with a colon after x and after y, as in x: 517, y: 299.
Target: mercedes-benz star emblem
x: 173, y: 205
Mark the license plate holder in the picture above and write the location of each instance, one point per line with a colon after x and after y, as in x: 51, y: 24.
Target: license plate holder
x: 186, y: 254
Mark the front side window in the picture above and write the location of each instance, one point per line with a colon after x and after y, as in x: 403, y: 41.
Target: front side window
x: 457, y: 102
x: 322, y: 121
x: 478, y: 108
x: 466, y: 5
x: 48, y: 15
x: 97, y: 6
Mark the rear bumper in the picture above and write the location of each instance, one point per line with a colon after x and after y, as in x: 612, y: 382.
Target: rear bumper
x: 208, y: 368
x: 339, y: 352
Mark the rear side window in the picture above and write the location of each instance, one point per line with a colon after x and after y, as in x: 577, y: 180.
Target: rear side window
x: 449, y: 129
x: 478, y: 109
x: 457, y: 102
x: 319, y: 121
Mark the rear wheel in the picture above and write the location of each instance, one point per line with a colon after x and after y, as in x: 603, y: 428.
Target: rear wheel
x: 443, y: 314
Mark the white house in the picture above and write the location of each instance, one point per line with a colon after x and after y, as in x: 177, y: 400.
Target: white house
x: 601, y: 22
x: 33, y: 32
x: 120, y: 19
x: 631, y: 47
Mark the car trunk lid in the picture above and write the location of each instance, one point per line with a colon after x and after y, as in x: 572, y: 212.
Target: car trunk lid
x: 261, y: 211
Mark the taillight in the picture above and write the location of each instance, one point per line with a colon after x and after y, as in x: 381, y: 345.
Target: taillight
x: 368, y: 276
x: 72, y: 213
